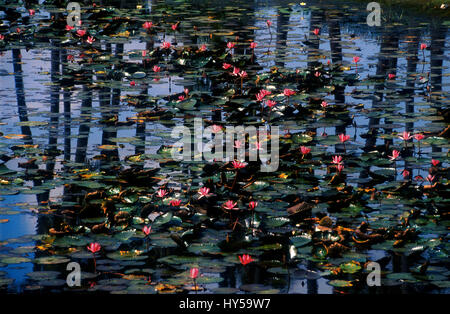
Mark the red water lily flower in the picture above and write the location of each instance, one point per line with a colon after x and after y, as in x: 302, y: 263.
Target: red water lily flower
x: 94, y: 247
x: 391, y: 76
x: 253, y: 45
x: 175, y: 203
x: 31, y: 11
x: 270, y: 103
x: 243, y: 74
x: 252, y: 205
x: 69, y: 28
x: 202, y: 48
x: 430, y: 178
x: 156, y: 68
x: 70, y: 57
x: 147, y: 230
x: 161, y: 193
x: 324, y: 104
x: 132, y: 83
x: 356, y: 59
x: 305, y: 150
x: 419, y: 136
x: 230, y: 45
x: 216, y: 128
x: 337, y: 159
x: 235, y: 71
x: 245, y: 259
x: 265, y: 92
x: 238, y: 164
x: 2, y: 37
x: 343, y: 138
x: 288, y: 92
x: 230, y: 205
x: 165, y: 45
x: 174, y: 27
x: 181, y: 97
x: 269, y: 23
x: 90, y: 39
x: 405, y: 136
x: 340, y: 167
x: 405, y: 173
x: 435, y: 162
x: 193, y: 273
x: 423, y: 46
x: 81, y: 32
x: 316, y: 31
x: 226, y: 66
x: 260, y: 96
x: 395, y: 155
x: 147, y: 25
x: 204, y: 191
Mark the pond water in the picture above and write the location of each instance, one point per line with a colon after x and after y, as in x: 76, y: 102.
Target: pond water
x: 86, y: 142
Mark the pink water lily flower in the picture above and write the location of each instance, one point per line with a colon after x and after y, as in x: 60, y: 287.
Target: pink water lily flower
x: 419, y: 136
x: 252, y: 205
x: 305, y: 150
x: 94, y: 247
x: 405, y: 136
x: 340, y: 167
x: 324, y: 104
x: 269, y: 23
x: 81, y: 32
x: 69, y: 28
x: 147, y: 25
x: 245, y: 259
x: 216, y: 128
x: 356, y: 59
x: 395, y: 155
x: 235, y: 71
x: 165, y: 45
x: 405, y: 173
x: 90, y: 39
x: 146, y: 230
x: 230, y: 205
x: 435, y: 162
x: 265, y: 92
x: 31, y: 12
x: 237, y: 144
x: 344, y: 138
x: 337, y: 159
x: 156, y: 68
x: 161, y: 193
x: 193, y: 273
x: 175, y: 203
x: 423, y: 46
x: 230, y: 45
x: 181, y: 97
x: 391, y: 76
x: 174, y: 27
x: 202, y: 48
x: 238, y: 164
x: 270, y: 103
x: 226, y: 66
x: 243, y: 74
x: 253, y: 45
x: 132, y: 83
x: 430, y: 178
x: 316, y: 31
x: 260, y: 96
x: 288, y: 92
x: 204, y: 192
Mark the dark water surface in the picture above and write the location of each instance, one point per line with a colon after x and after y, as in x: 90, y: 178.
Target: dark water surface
x: 69, y: 128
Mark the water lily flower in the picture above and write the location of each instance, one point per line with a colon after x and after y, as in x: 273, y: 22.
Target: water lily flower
x: 81, y: 32
x: 316, y: 31
x: 356, y: 59
x: 305, y: 150
x: 165, y: 45
x: 238, y: 164
x: 423, y: 46
x: 69, y: 28
x: 174, y: 26
x: 226, y: 66
x: 204, y: 191
x: 230, y: 205
x: 90, y: 39
x: 216, y: 128
x: 31, y: 12
x: 419, y: 136
x: 70, y: 57
x: 405, y: 173
x: 340, y: 167
x: 418, y: 178
x: 147, y: 25
x: 343, y: 138
x: 156, y: 68
x: 395, y: 155
x: 144, y: 53
x: 288, y: 92
x: 161, y: 193
x: 246, y: 259
x: 405, y: 136
x: 260, y: 96
x: 324, y: 104
x: 193, y: 273
x: 186, y: 91
x: 269, y: 23
x: 317, y: 74
x: 132, y: 83
x: 265, y: 92
x: 230, y: 45
x: 18, y: 30
x: 2, y: 37
x: 202, y: 48
x: 270, y: 103
x: 237, y: 144
x: 181, y: 97
x: 252, y: 205
x: 430, y: 178
x: 391, y: 76
x: 253, y: 45
x: 94, y: 247
x: 175, y: 203
x: 243, y: 74
x: 235, y: 71
x: 337, y: 159
x: 435, y: 162
x: 147, y: 230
